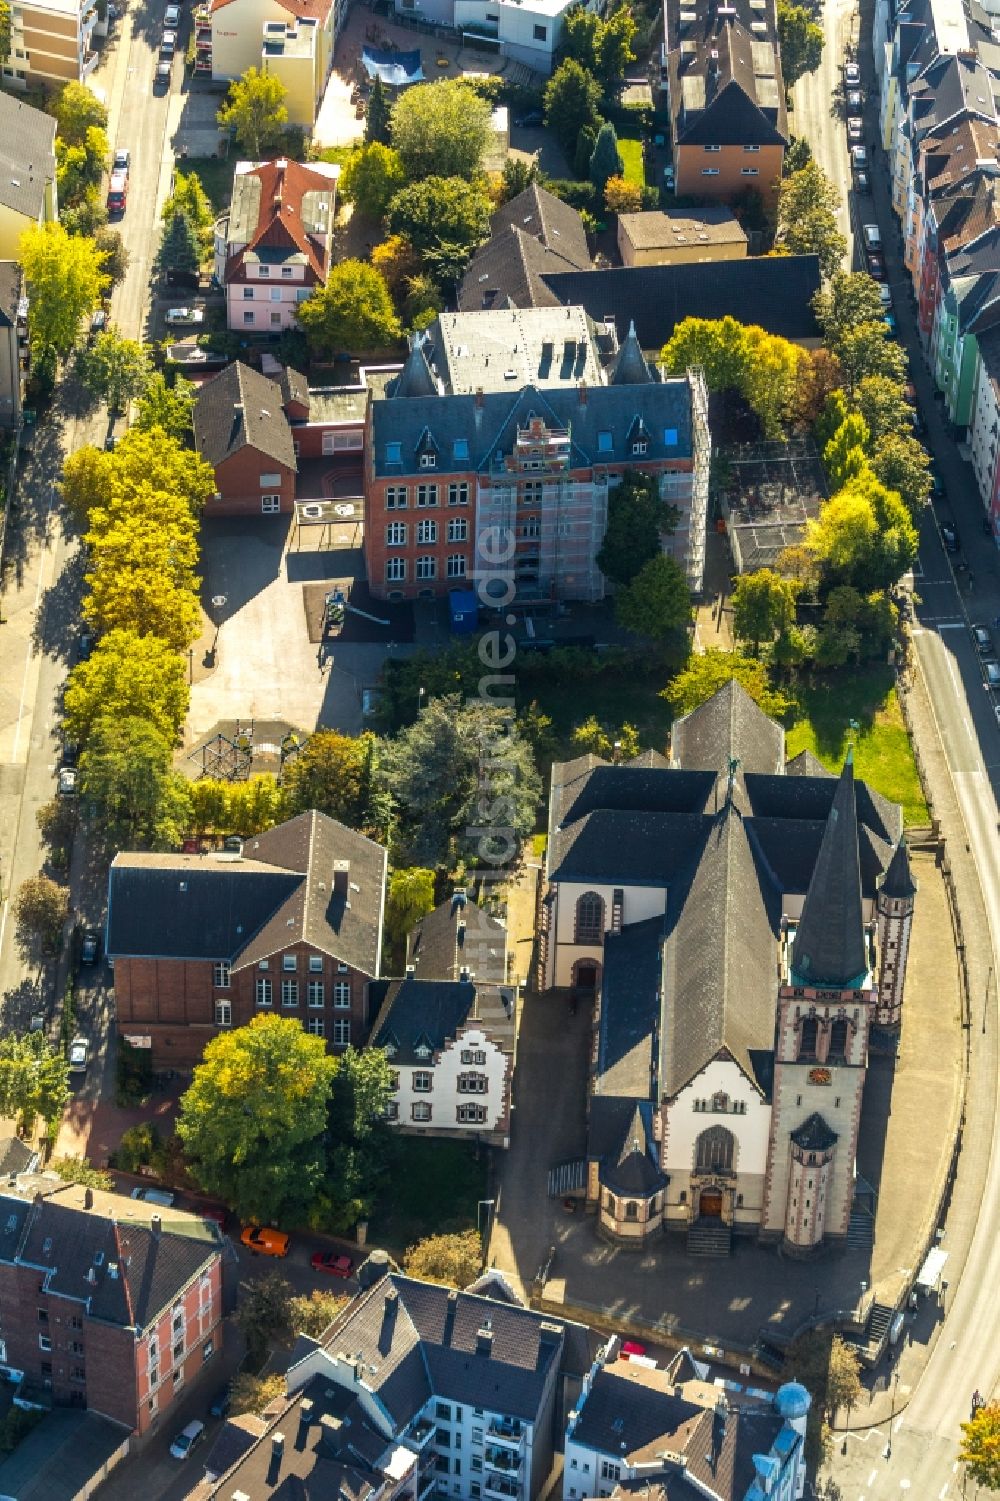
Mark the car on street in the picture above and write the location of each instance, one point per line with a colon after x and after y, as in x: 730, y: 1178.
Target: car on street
x: 889, y: 319
x: 122, y: 160
x: 70, y: 753
x: 949, y: 535
x: 861, y: 183
x: 859, y: 157
x: 172, y: 17
x: 37, y: 1023
x: 872, y: 236
x: 854, y: 102
x: 67, y: 780
x: 937, y: 484
x: 168, y: 44
x: 117, y: 193
x: 854, y: 130
x: 852, y: 76
x: 992, y: 674
x: 220, y: 1403
x: 79, y: 1055
x: 161, y: 1197
x: 262, y: 1240
x: 983, y: 640
x: 185, y: 315
x: 189, y: 1437
x: 98, y: 322
x: 85, y: 645
x: 875, y: 264
x: 885, y: 295
x: 919, y: 425
x: 669, y: 177
x: 90, y: 946
x: 329, y: 1261
x: 161, y: 78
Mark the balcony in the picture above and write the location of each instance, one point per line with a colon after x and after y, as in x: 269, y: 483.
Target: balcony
x: 494, y: 1486
x: 507, y: 1461
x: 506, y: 1433
x: 90, y: 61
x: 419, y: 1433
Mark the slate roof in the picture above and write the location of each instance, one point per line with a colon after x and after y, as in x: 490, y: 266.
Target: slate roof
x: 898, y: 881
x: 431, y: 1013
x: 16, y: 1156
x: 240, y: 408
x: 546, y: 218
x: 729, y: 725
x: 507, y: 272
x: 726, y: 86
x: 458, y: 935
x: 775, y: 292
x: 27, y: 156
x: 634, y: 1169
x: 629, y: 367
x: 829, y: 946
x: 629, y: 1408
x: 243, y: 910
x: 814, y: 1134
x: 630, y: 1011
x: 420, y: 1340
x: 61, y: 1459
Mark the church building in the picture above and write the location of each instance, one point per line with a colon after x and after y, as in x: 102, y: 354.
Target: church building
x: 740, y: 922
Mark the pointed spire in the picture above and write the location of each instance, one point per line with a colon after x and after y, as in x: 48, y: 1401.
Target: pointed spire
x: 415, y: 378
x: 829, y: 947
x: 630, y: 367
x: 898, y: 881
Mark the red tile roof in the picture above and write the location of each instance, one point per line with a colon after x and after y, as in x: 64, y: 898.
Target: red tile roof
x: 283, y: 185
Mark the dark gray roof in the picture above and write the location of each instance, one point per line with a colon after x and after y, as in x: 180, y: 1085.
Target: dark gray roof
x: 421, y: 1340
x: 625, y: 1411
x: 240, y: 408
x: 16, y: 1156
x: 546, y: 218
x: 431, y: 1013
x: 814, y: 1134
x: 774, y: 292
x: 630, y: 1010
x: 805, y: 764
x: 507, y: 272
x: 629, y: 367
x: 634, y: 1168
x: 243, y: 910
x: 62, y: 1458
x: 27, y: 156
x: 829, y: 946
x: 415, y: 378
x: 729, y: 725
x: 458, y: 935
x: 898, y: 881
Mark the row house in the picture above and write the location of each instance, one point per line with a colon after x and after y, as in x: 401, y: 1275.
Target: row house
x: 104, y: 1303
x: 984, y: 433
x: 514, y: 424
x: 274, y: 247
x: 290, y: 925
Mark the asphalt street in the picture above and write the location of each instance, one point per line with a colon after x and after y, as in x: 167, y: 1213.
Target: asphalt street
x: 818, y: 106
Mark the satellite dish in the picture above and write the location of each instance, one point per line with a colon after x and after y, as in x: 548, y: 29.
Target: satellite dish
x: 312, y: 510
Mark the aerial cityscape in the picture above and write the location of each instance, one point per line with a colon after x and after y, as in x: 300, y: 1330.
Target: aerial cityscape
x: 499, y: 750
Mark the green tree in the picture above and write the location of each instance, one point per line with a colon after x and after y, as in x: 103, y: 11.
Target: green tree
x: 585, y: 143
x: 56, y: 822
x: 314, y: 1312
x: 798, y: 155
x: 352, y: 312
x: 326, y: 775
x: 848, y: 299
x: 128, y: 676
x: 378, y: 125
x: 621, y: 196
x: 423, y: 301
x: 127, y: 780
x: 864, y: 536
x: 190, y: 198
x: 410, y: 897
x: 142, y: 575
x: 637, y: 521
x: 807, y: 218
x: 264, y: 1314
x: 114, y: 369
x: 603, y: 48
x: 266, y: 1162
x: 440, y: 211
x: 572, y: 96
x: 179, y: 250
x: 116, y: 258
x: 763, y: 607
x: 707, y: 672
x: 456, y: 1260
x: 580, y: 28
x: 518, y: 174
x: 79, y: 167
x: 801, y: 42
x: 33, y: 1080
x: 81, y: 1170
x: 843, y: 1387
x: 765, y: 369
x: 657, y: 602
x: 370, y: 177
x: 167, y: 405
x: 867, y: 350
x: 77, y: 109
x: 980, y: 1451
x: 65, y: 278
x: 40, y: 910
x: 880, y: 401
x: 844, y: 457
x: 4, y: 31
x: 441, y: 129
x: 463, y: 770
x: 610, y: 744
x: 358, y: 1139
x: 901, y: 464
x: 255, y: 112
x: 251, y: 1393
x: 606, y: 159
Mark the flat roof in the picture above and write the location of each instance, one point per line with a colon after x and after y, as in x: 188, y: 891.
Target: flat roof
x: 679, y: 229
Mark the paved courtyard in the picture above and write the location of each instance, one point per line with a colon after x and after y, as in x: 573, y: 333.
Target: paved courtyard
x: 903, y: 1153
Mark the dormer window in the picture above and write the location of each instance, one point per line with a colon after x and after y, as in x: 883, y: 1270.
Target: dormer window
x: 422, y: 1050
x: 391, y: 1050
x: 428, y: 461
x: 394, y: 453
x: 605, y: 442
x: 639, y: 447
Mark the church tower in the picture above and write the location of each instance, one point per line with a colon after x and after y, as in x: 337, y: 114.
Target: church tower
x: 825, y: 1003
x: 894, y: 906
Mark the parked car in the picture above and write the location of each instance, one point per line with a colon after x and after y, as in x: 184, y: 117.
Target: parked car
x: 859, y: 157
x: 122, y: 160
x: 66, y: 782
x: 70, y: 753
x: 172, y: 17
x: 992, y: 674
x: 861, y: 183
x: 937, y: 484
x: 872, y: 235
x: 531, y: 120
x: 185, y: 315
x: 329, y: 1261
x: 79, y: 1055
x: 90, y: 946
x: 854, y: 102
x: 161, y: 1197
x: 949, y: 534
x: 983, y: 640
x: 633, y: 1347
x: 37, y: 1023
x: 854, y: 130
x: 875, y: 264
x: 161, y: 78
x: 885, y: 295
x: 168, y: 44
x: 117, y: 192
x: 852, y: 75
x: 189, y: 1437
x: 98, y: 322
x: 85, y: 645
x: 669, y: 177
x: 889, y: 319
x: 261, y: 1240
x: 221, y: 1403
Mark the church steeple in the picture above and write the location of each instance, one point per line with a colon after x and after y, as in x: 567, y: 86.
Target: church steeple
x: 898, y: 881
x: 630, y: 367
x: 829, y: 948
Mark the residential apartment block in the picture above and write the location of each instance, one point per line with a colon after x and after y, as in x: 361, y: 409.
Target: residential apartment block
x: 290, y: 926
x: 28, y: 195
x: 726, y: 96
x: 516, y: 423
x: 105, y: 1303
x: 527, y: 31
x: 293, y: 39
x: 274, y: 246
x: 50, y: 42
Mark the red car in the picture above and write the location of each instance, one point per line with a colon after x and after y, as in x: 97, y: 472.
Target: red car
x: 633, y: 1347
x: 329, y: 1261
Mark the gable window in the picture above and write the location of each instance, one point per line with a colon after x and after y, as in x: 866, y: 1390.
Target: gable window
x: 420, y: 1111
x: 807, y: 1039
x: 458, y: 494
x: 395, y: 570
x: 265, y: 992
x: 221, y: 975
x: 428, y: 461
x: 289, y: 962
x: 422, y: 1080
x: 473, y: 1055
x: 395, y: 498
x: 589, y: 918
x: 473, y: 1084
x: 316, y: 963
x: 315, y: 993
x: 395, y: 534
x: 639, y: 446
x: 342, y: 995
x: 427, y: 531
x: 289, y: 992
x: 223, y: 1014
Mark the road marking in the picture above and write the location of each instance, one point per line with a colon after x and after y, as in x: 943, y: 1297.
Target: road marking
x: 943, y: 1491
x: 904, y: 1485
x: 872, y: 1477
x: 951, y: 625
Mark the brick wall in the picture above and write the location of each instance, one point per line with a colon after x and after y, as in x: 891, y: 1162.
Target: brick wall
x: 728, y: 167
x: 379, y: 516
x: 238, y: 482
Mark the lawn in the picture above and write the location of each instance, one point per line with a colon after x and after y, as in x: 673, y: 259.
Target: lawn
x: 630, y: 152
x: 616, y: 698
x: 882, y: 754
x: 433, y: 1186
x: 215, y: 174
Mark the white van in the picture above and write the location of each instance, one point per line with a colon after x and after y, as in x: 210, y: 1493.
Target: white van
x: 873, y: 236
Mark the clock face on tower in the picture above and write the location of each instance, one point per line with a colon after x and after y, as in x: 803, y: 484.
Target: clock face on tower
x: 820, y: 1076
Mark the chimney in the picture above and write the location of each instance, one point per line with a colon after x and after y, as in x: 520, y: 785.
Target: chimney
x: 341, y: 872
x: 480, y: 399
x: 463, y: 974
x: 411, y: 969
x: 156, y: 1224
x: 306, y: 1412
x: 277, y: 1446
x: 391, y: 1299
x: 582, y: 393
x: 550, y: 1334
x: 330, y: 1432
x: 484, y: 1338
x: 88, y: 1198
x: 91, y: 1276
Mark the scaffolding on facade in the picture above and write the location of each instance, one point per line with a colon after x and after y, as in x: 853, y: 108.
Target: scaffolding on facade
x: 230, y: 754
x: 701, y: 463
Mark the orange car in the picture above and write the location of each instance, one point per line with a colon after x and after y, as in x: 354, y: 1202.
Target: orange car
x: 261, y: 1240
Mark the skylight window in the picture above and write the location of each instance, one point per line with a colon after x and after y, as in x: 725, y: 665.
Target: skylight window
x: 605, y: 442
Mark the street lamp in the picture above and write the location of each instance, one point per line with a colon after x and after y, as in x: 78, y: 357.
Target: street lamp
x: 892, y: 1413
x: 420, y: 704
x: 218, y: 605
x: 488, y: 1204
